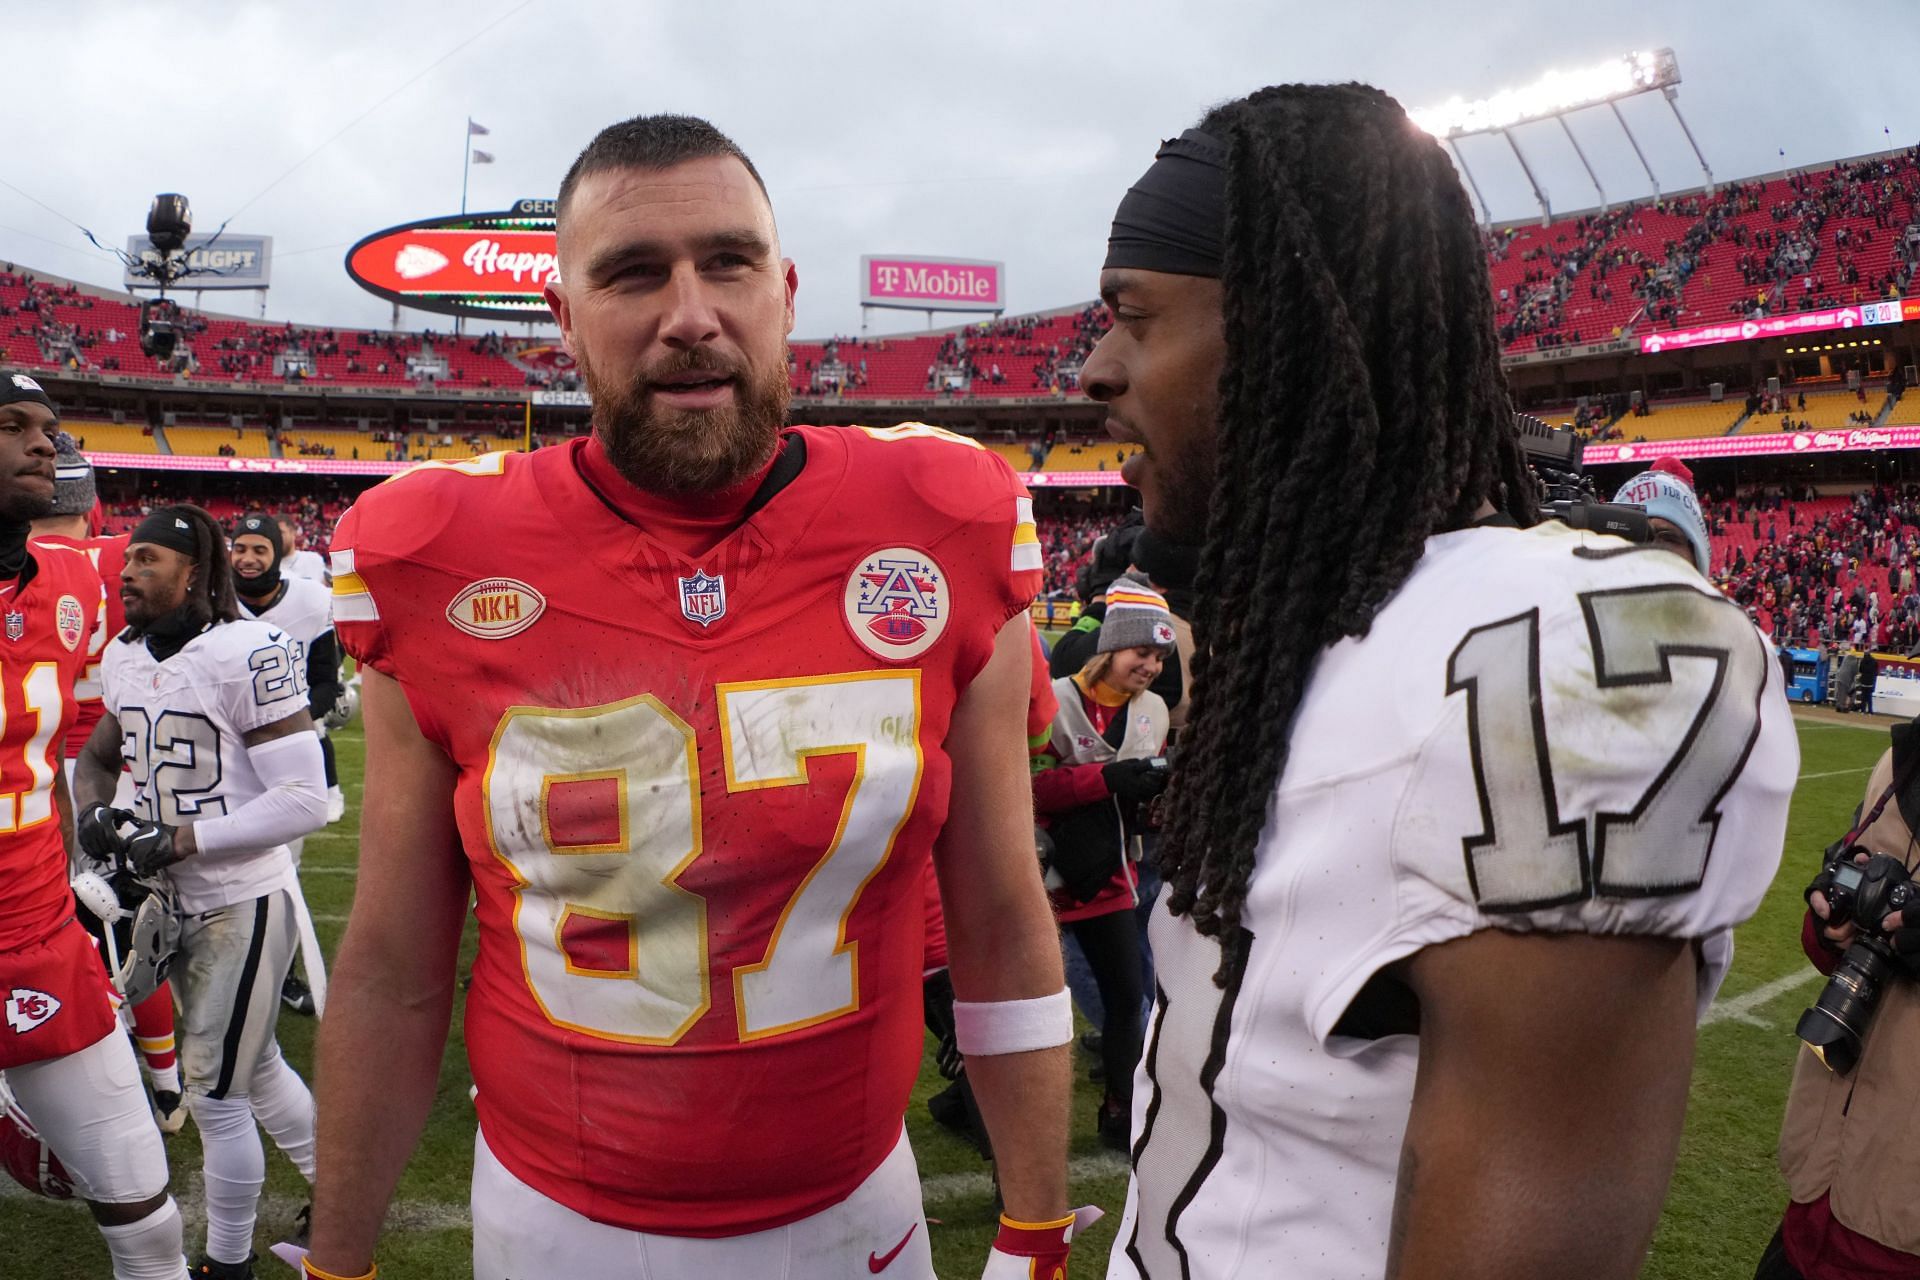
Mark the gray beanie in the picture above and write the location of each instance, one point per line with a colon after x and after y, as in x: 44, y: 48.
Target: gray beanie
x: 1137, y: 618
x: 73, y: 492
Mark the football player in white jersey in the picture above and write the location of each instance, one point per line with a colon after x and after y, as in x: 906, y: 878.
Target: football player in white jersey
x: 1467, y: 805
x: 307, y: 565
x: 301, y: 562
x: 208, y: 711
x: 302, y: 608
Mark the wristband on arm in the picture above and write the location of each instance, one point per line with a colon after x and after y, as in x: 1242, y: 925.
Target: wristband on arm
x: 989, y: 1027
x: 311, y: 1272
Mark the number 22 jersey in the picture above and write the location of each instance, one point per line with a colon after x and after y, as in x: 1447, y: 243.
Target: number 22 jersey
x: 697, y: 796
x: 1544, y: 730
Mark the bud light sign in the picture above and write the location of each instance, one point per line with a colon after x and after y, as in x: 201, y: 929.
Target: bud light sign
x: 933, y: 284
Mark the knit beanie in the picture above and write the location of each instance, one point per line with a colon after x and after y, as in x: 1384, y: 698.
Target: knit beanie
x: 1137, y: 618
x: 73, y: 493
x: 1666, y: 491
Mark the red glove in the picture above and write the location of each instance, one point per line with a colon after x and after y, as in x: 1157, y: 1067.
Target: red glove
x: 1036, y: 1250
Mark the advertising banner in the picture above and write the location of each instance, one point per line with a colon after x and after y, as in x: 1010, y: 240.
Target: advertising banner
x: 1849, y: 440
x: 232, y: 262
x: 489, y: 264
x: 1787, y: 326
x: 932, y: 284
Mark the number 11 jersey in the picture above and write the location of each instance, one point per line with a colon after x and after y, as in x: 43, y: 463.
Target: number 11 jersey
x: 697, y: 796
x: 1543, y: 731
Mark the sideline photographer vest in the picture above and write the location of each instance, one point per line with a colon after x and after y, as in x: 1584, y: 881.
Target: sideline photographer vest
x: 1851, y: 1137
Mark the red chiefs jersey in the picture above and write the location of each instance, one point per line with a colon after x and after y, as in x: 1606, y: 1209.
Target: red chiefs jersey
x: 1042, y: 706
x: 44, y: 630
x: 697, y: 796
x: 109, y: 557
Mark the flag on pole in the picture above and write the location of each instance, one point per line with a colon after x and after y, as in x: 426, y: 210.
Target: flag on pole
x: 476, y: 130
x: 482, y: 157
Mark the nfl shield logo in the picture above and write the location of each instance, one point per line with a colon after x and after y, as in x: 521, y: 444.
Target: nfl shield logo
x: 16, y: 624
x: 703, y: 599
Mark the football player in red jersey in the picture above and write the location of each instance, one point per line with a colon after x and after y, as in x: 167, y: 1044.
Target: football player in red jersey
x: 73, y: 522
x: 687, y: 705
x: 67, y: 1063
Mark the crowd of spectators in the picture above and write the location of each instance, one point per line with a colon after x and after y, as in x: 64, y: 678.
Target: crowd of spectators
x: 1824, y: 570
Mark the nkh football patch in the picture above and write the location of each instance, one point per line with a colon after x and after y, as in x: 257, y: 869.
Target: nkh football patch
x: 71, y: 620
x: 27, y: 1008
x: 897, y: 603
x: 495, y: 608
x: 703, y: 597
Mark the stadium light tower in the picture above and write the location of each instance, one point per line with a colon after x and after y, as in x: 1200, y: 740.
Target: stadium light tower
x: 1555, y: 96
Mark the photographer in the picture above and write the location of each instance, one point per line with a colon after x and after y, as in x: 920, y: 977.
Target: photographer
x: 1106, y: 770
x: 1846, y: 1142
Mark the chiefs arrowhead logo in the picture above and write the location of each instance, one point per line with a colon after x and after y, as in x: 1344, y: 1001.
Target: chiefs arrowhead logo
x: 27, y: 1009
x: 416, y: 261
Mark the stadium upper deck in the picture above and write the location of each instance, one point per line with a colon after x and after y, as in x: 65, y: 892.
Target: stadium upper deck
x: 1832, y: 236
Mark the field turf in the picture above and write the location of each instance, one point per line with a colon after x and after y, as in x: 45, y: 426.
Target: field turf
x: 1725, y: 1202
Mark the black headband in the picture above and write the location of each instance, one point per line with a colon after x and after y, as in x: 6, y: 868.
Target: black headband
x: 167, y: 528
x: 1175, y: 218
x: 17, y: 387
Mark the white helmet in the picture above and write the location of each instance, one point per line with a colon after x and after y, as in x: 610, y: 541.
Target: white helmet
x: 344, y: 708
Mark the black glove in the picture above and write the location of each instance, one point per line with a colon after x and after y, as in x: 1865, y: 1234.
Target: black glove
x: 98, y: 830
x: 1134, y: 781
x: 150, y: 848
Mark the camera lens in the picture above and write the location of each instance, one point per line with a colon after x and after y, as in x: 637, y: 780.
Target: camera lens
x: 1833, y: 1027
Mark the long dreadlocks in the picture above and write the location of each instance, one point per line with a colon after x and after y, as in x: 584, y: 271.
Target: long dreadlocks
x: 1362, y: 409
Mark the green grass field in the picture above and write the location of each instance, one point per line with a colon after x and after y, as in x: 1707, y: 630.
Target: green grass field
x: 1725, y: 1202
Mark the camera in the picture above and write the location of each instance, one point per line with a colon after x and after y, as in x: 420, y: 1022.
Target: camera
x: 1864, y: 895
x: 158, y: 332
x: 1566, y: 493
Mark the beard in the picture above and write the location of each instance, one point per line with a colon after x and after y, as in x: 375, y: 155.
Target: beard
x: 673, y: 452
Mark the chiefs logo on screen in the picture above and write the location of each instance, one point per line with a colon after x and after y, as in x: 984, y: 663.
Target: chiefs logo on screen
x: 897, y: 603
x: 416, y: 262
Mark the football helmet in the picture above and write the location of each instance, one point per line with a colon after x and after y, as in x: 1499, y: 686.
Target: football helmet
x: 135, y: 919
x: 344, y: 708
x: 25, y: 1156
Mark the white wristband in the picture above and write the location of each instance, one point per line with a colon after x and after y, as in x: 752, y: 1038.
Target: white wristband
x: 1013, y: 1026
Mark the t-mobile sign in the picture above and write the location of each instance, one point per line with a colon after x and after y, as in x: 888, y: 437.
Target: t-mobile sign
x: 933, y: 284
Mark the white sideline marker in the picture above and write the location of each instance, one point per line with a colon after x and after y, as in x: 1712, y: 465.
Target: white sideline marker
x: 1740, y: 1008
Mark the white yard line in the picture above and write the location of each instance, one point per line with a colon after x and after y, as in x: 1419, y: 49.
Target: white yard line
x: 1836, y: 773
x: 953, y: 1186
x: 1740, y: 1008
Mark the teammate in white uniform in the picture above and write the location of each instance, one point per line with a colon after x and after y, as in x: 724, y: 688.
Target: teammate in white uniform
x: 301, y: 562
x: 1430, y: 957
x: 208, y: 711
x: 303, y: 609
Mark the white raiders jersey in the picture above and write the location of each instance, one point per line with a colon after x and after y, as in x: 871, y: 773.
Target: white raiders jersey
x: 1544, y: 730
x: 182, y: 725
x: 306, y: 564
x: 304, y: 612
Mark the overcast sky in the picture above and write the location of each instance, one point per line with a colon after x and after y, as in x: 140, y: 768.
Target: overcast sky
x: 973, y: 129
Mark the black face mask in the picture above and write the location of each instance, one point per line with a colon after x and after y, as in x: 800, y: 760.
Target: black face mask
x: 260, y: 586
x: 169, y: 633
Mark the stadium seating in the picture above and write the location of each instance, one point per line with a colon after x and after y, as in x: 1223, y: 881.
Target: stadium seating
x: 209, y: 441
x: 1825, y: 411
x: 1681, y: 421
x: 1102, y: 455
x: 109, y: 437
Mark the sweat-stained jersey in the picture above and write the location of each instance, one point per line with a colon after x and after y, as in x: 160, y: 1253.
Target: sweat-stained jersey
x: 109, y: 556
x: 698, y: 798
x: 44, y: 630
x: 1544, y: 730
x: 183, y: 727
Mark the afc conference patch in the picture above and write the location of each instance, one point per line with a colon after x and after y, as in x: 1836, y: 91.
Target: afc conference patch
x: 703, y: 598
x: 71, y: 620
x: 897, y: 603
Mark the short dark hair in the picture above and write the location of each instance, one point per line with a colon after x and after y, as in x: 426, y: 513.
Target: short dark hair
x: 651, y: 142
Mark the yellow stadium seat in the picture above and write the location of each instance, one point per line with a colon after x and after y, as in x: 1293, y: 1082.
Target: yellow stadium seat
x: 1681, y: 421
x: 109, y: 437
x: 206, y: 441
x: 1103, y: 455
